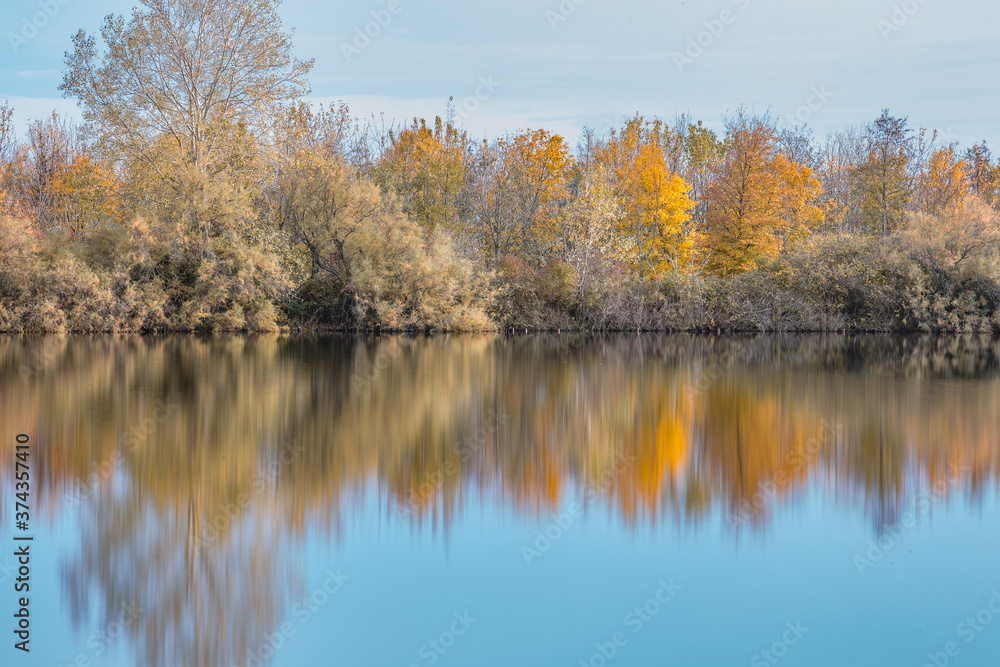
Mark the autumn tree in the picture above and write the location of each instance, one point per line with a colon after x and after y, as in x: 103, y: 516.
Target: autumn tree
x: 8, y: 142
x: 303, y: 137
x: 53, y: 176
x: 8, y: 149
x: 515, y: 186
x: 52, y: 145
x: 965, y: 233
x: 798, y: 145
x: 942, y: 183
x: 425, y: 167
x: 85, y: 196
x: 882, y: 178
x: 759, y: 199
x: 984, y: 175
x: 590, y: 220
x: 702, y: 153
x: 182, y: 98
x: 654, y: 230
x: 187, y: 70
x: 322, y: 204
x: 842, y: 154
x: 186, y: 90
x: 657, y: 210
x: 301, y: 132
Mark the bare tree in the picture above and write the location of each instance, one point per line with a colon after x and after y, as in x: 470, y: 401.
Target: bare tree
x: 187, y: 71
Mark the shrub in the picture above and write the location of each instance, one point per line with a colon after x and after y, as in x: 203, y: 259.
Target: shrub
x: 950, y: 266
x: 846, y: 278
x: 362, y: 248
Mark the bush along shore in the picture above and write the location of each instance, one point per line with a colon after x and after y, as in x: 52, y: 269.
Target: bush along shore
x: 246, y: 209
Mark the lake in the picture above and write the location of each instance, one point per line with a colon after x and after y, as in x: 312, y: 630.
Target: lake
x: 476, y: 501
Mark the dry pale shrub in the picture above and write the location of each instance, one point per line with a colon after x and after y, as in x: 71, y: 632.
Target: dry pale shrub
x: 963, y: 242
x: 389, y: 271
x: 950, y: 265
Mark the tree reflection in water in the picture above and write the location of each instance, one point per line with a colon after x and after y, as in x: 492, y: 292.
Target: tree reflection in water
x: 198, y: 517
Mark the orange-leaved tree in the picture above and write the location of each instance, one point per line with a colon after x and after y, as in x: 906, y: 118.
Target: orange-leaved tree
x: 759, y: 200
x: 517, y: 185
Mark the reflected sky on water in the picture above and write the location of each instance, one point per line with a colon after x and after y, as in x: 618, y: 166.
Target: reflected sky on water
x: 546, y: 500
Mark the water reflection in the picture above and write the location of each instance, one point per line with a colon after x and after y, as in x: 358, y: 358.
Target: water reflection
x: 195, y: 466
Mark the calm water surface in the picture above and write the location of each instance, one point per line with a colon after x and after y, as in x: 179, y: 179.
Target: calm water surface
x: 546, y: 501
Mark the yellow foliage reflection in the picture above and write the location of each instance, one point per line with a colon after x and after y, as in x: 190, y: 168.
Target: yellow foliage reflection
x: 198, y: 464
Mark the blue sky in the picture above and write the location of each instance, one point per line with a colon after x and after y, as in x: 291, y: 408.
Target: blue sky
x: 561, y: 64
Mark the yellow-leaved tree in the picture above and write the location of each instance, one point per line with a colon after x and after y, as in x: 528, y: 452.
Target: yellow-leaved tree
x: 943, y: 182
x: 659, y: 209
x: 426, y: 169
x: 654, y: 231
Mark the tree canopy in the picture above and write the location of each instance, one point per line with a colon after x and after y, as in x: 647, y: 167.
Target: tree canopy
x: 187, y: 70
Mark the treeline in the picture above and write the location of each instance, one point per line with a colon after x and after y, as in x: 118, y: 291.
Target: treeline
x: 201, y: 193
